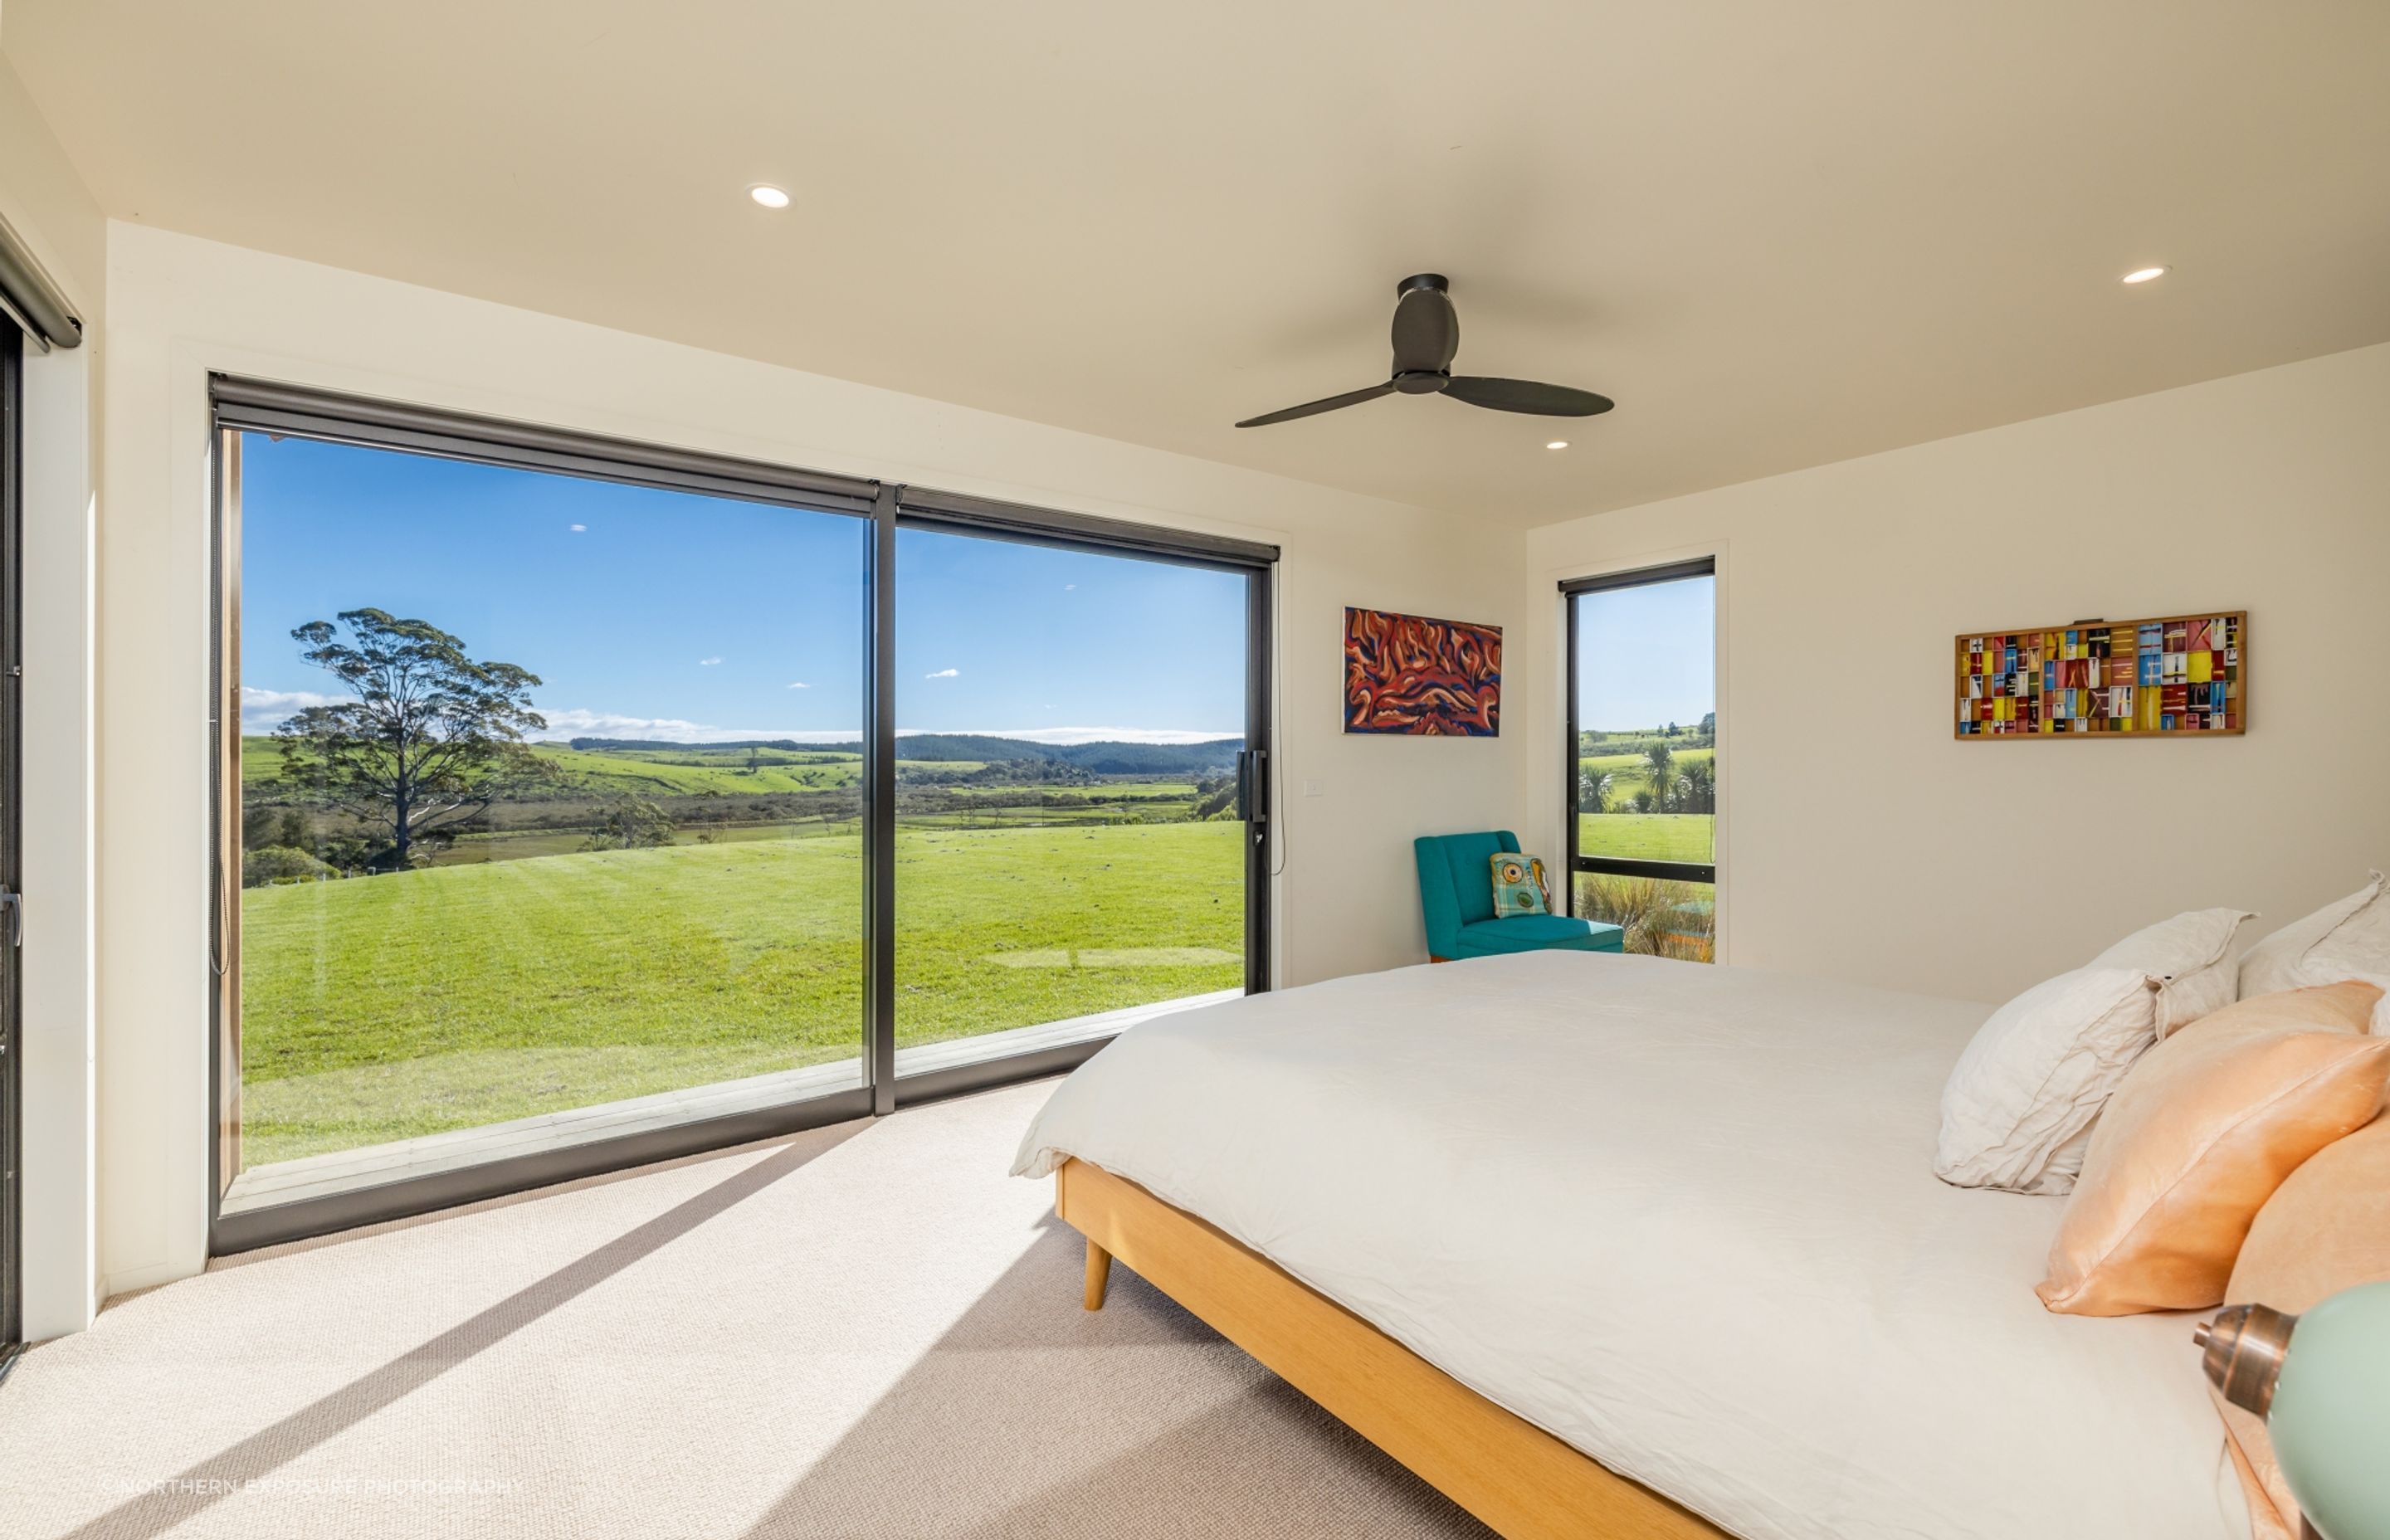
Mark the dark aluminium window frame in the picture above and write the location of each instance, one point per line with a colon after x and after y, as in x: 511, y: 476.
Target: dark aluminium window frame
x: 1680, y: 871
x: 12, y: 1045
x: 242, y: 404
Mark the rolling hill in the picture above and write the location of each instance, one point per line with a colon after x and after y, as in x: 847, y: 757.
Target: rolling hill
x: 654, y: 768
x: 1102, y: 758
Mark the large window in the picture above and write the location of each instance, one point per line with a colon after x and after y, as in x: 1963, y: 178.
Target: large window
x: 549, y: 802
x: 1641, y: 774
x: 1070, y: 845
x: 585, y: 804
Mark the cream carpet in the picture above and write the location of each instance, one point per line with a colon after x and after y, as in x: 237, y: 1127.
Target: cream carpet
x: 868, y: 1330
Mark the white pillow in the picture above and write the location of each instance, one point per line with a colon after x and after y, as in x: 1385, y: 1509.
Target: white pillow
x: 2066, y: 1162
x: 2190, y: 955
x: 2348, y: 940
x: 2036, y: 1076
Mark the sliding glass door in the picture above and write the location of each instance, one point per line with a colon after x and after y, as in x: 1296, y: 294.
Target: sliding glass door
x: 1641, y: 779
x: 549, y: 812
x: 1070, y: 841
x: 580, y: 803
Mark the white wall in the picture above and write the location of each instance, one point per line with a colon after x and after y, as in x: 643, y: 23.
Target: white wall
x: 180, y: 307
x: 1858, y: 839
x: 47, y: 205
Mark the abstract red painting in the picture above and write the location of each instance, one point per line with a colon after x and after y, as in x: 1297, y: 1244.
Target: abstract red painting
x: 1407, y: 673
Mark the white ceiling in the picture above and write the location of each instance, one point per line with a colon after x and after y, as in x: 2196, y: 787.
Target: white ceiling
x: 1779, y: 235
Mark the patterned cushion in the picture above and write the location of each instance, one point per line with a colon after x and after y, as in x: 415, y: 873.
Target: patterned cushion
x: 1519, y: 886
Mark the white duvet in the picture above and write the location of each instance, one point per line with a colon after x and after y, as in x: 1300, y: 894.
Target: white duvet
x: 1684, y: 1218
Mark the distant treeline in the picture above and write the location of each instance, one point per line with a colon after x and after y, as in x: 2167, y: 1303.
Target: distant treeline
x: 1675, y: 735
x: 1102, y: 758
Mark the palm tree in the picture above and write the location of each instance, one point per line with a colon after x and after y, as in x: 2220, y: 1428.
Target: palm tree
x: 1592, y: 791
x: 1659, y: 770
x: 1698, y: 785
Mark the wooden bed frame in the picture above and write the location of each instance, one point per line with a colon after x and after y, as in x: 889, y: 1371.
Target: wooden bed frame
x: 1520, y: 1479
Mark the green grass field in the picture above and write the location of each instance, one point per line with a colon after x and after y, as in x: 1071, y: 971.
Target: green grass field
x: 1626, y: 771
x: 1642, y: 836
x: 666, y: 773
x: 694, y: 772
x: 476, y: 848
x: 1646, y: 836
x: 1089, y: 807
x: 377, y: 1008
x: 1104, y: 792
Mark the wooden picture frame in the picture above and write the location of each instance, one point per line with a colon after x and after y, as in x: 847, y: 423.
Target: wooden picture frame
x: 2171, y: 677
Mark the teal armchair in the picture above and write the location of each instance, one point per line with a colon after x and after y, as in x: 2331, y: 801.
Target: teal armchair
x: 1456, y: 878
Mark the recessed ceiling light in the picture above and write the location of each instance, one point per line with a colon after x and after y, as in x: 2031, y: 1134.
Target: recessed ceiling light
x: 769, y: 196
x: 2143, y: 275
x: 1557, y: 444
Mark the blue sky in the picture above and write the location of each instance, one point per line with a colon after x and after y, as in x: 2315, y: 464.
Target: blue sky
x: 666, y: 615
x: 1646, y: 655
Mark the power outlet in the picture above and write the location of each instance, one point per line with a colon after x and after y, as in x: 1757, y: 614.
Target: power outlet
x: 1315, y: 789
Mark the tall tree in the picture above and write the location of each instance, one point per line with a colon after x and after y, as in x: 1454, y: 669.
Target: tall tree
x: 431, y: 739
x: 1697, y: 779
x: 1660, y: 771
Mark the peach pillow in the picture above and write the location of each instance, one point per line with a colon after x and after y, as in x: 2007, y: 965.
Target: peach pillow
x: 2327, y: 1229
x: 2203, y: 1128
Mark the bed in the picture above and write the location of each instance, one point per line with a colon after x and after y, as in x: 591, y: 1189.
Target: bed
x: 1614, y: 1245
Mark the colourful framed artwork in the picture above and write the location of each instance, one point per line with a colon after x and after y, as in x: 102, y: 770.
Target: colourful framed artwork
x: 2176, y: 675
x: 1429, y: 678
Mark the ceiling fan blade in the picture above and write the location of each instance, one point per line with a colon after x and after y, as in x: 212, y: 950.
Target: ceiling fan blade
x: 1312, y: 408
x: 1526, y: 395
x: 1427, y: 329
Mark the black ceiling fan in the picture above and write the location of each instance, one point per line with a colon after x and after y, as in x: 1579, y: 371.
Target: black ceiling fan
x: 1427, y: 333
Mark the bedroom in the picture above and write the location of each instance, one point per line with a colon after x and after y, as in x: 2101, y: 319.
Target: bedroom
x: 1856, y: 285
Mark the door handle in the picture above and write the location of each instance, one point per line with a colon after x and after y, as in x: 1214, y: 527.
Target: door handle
x: 12, y: 905
x: 1253, y: 786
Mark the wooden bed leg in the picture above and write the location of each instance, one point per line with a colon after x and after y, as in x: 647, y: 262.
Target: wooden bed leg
x: 1100, y: 1272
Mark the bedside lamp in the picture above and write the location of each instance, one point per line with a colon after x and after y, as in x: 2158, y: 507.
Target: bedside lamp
x: 2321, y: 1383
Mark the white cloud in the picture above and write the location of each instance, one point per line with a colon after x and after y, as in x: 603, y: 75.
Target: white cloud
x: 800, y: 685
x: 709, y: 662
x: 579, y: 529
x: 578, y: 721
x: 262, y: 710
x: 1070, y: 587
x: 944, y: 674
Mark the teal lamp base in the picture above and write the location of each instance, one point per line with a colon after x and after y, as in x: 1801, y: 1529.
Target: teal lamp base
x: 2321, y: 1381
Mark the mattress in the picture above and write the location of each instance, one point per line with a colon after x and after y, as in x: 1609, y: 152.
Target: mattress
x: 1682, y: 1217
